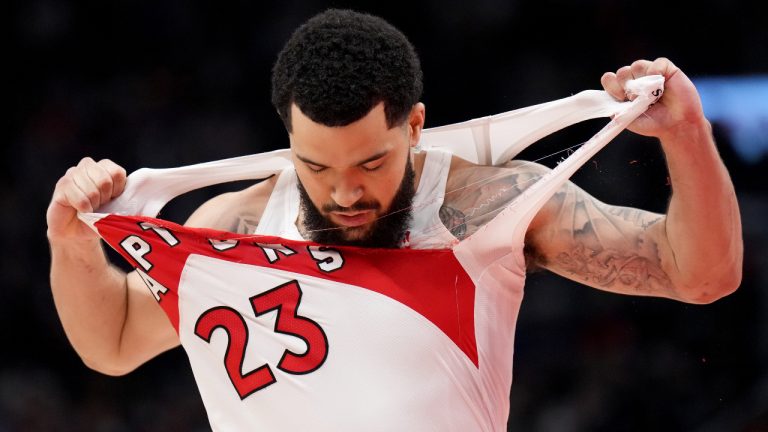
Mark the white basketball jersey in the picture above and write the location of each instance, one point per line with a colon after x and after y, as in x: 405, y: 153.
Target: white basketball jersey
x: 284, y: 334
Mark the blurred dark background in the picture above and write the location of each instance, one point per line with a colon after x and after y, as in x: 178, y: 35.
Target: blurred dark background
x: 170, y: 83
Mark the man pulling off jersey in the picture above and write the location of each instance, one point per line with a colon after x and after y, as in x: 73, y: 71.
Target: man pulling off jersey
x: 347, y: 87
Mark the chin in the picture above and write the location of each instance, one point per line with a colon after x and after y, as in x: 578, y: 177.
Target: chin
x: 357, y: 233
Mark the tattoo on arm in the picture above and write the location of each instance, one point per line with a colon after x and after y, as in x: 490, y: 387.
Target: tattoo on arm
x: 614, y: 270
x: 606, y: 247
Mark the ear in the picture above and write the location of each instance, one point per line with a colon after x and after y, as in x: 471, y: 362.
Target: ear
x: 416, y: 123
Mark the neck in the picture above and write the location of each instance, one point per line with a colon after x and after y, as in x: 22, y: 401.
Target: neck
x: 418, y: 166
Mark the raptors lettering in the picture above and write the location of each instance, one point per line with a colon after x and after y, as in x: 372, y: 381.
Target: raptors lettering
x: 327, y: 259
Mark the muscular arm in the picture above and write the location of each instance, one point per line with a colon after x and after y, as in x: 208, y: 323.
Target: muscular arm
x: 691, y: 254
x: 703, y: 226
x: 617, y: 249
x: 574, y: 235
x: 700, y: 247
x: 110, y: 317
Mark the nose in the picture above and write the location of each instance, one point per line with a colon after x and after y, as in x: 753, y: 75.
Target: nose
x: 347, y: 190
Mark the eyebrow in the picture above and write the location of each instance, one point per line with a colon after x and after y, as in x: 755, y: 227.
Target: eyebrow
x: 376, y: 156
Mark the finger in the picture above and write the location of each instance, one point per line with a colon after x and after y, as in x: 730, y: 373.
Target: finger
x: 101, y: 179
x: 612, y: 86
x: 118, y: 175
x: 623, y: 75
x: 76, y: 198
x: 59, y: 196
x: 639, y: 68
x: 86, y: 186
x: 662, y: 66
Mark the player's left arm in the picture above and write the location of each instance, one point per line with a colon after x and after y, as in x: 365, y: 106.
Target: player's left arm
x: 694, y: 252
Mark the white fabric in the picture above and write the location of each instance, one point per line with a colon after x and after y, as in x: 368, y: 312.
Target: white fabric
x: 427, y: 230
x: 489, y: 140
x: 280, y: 214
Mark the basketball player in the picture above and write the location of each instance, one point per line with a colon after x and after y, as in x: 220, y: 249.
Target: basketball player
x: 347, y: 87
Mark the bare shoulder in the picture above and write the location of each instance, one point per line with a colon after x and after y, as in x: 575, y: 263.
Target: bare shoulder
x: 237, y: 212
x: 476, y: 193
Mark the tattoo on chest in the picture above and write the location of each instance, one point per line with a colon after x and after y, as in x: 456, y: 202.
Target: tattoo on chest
x: 245, y: 224
x: 454, y: 220
x: 478, y: 198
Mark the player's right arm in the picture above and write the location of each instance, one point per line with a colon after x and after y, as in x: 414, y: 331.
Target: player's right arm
x: 110, y: 318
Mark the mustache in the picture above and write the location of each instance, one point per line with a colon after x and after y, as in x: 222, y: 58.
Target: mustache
x: 358, y: 206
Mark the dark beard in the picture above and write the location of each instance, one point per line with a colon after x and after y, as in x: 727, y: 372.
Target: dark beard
x: 386, y: 232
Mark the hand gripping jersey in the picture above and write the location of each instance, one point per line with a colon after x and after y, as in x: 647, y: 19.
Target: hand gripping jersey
x: 284, y: 334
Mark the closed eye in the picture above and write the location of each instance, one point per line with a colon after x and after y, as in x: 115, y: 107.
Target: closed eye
x: 372, y: 166
x: 315, y: 168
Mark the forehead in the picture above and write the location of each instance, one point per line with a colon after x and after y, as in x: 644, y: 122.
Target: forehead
x: 333, y: 145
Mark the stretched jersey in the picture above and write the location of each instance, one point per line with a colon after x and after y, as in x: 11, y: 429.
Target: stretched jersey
x: 284, y: 334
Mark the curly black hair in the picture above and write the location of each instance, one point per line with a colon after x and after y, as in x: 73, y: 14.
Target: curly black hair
x: 340, y: 64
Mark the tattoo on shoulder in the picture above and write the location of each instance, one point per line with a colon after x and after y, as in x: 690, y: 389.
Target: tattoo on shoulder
x: 477, y: 196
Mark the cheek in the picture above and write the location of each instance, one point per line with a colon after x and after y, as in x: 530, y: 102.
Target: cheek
x: 318, y: 192
x: 385, y: 188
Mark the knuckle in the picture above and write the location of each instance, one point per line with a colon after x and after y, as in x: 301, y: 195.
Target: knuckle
x: 82, y: 204
x: 106, y: 164
x: 120, y: 173
x: 93, y: 195
x: 66, y: 181
x: 62, y: 183
x: 104, y: 183
x: 112, y: 168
